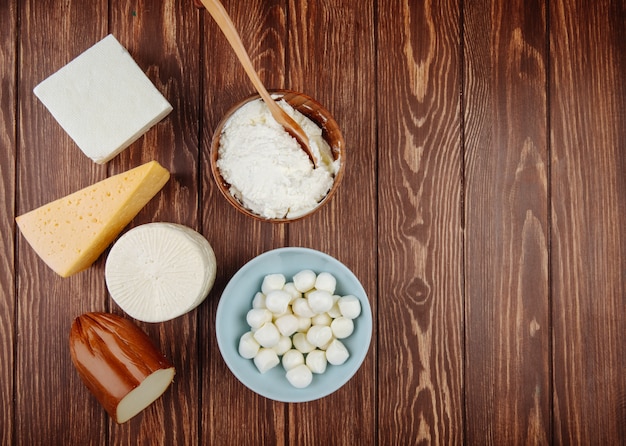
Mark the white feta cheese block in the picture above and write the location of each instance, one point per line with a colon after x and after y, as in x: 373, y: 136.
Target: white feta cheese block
x: 103, y: 100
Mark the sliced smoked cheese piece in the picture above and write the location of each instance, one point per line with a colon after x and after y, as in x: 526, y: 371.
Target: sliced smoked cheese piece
x: 70, y: 233
x: 158, y: 271
x: 118, y: 363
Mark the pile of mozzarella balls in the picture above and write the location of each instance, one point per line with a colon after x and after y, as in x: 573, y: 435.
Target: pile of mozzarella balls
x: 303, y: 322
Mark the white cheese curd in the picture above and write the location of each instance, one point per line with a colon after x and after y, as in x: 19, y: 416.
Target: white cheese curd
x: 266, y: 359
x: 304, y: 323
x: 322, y: 319
x: 267, y: 170
x: 301, y: 308
x: 292, y: 290
x: 304, y: 280
x: 267, y: 335
x: 350, y: 306
x: 248, y: 346
x: 283, y: 346
x: 300, y: 376
x: 301, y: 343
x: 287, y: 324
x: 299, y: 325
x: 256, y: 317
x: 335, y: 312
x: 326, y: 282
x: 272, y: 282
x: 292, y: 358
x: 337, y: 353
x: 277, y: 301
x: 342, y: 327
x: 259, y: 300
x: 320, y: 301
x: 316, y: 361
x: 319, y: 335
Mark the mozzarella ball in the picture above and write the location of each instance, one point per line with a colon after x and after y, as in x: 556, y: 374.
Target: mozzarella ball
x: 304, y: 323
x: 321, y: 319
x: 292, y: 358
x: 276, y: 316
x: 320, y: 301
x: 342, y: 327
x: 266, y: 359
x: 267, y: 335
x: 291, y: 289
x: 350, y: 306
x: 326, y: 282
x: 319, y: 335
x: 325, y: 346
x: 300, y: 376
x: 287, y: 324
x: 272, y: 282
x: 277, y: 301
x: 283, y: 345
x: 248, y: 346
x: 300, y: 307
x: 304, y: 280
x: 334, y: 311
x: 316, y: 361
x: 259, y: 300
x: 337, y: 353
x: 256, y: 317
x: 301, y: 343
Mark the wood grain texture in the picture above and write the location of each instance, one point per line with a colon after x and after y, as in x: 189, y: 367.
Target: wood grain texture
x: 234, y: 415
x: 331, y: 57
x: 482, y: 209
x: 507, y: 306
x: 51, y: 34
x: 168, y: 53
x: 420, y: 312
x: 8, y: 150
x: 588, y: 114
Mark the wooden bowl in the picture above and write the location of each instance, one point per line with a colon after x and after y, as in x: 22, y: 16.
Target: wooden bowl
x: 315, y: 112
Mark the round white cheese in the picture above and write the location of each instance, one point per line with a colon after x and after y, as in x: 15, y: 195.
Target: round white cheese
x: 159, y: 271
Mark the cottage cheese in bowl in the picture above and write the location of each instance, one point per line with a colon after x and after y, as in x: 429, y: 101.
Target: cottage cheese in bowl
x: 263, y: 168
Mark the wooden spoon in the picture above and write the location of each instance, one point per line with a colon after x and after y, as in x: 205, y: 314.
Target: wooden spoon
x: 221, y: 17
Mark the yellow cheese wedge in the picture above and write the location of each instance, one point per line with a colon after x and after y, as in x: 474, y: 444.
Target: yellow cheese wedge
x: 69, y: 234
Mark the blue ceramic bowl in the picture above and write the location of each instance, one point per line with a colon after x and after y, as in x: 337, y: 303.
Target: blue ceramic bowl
x: 236, y: 301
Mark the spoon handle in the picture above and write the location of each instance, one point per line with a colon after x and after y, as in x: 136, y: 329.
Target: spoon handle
x: 221, y: 17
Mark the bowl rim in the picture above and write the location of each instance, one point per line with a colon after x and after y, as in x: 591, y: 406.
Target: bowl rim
x: 304, y: 107
x: 229, y: 351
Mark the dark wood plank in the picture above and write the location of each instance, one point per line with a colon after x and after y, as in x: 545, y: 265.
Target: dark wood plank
x: 232, y: 414
x: 163, y: 38
x: 331, y: 57
x: 420, y: 311
x: 8, y: 118
x: 508, y: 371
x: 588, y: 121
x: 52, y: 406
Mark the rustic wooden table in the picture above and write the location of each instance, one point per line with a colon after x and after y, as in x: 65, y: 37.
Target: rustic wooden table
x: 482, y: 209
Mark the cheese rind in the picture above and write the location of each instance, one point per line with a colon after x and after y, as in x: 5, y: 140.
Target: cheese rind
x: 103, y: 100
x: 118, y: 363
x: 70, y: 233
